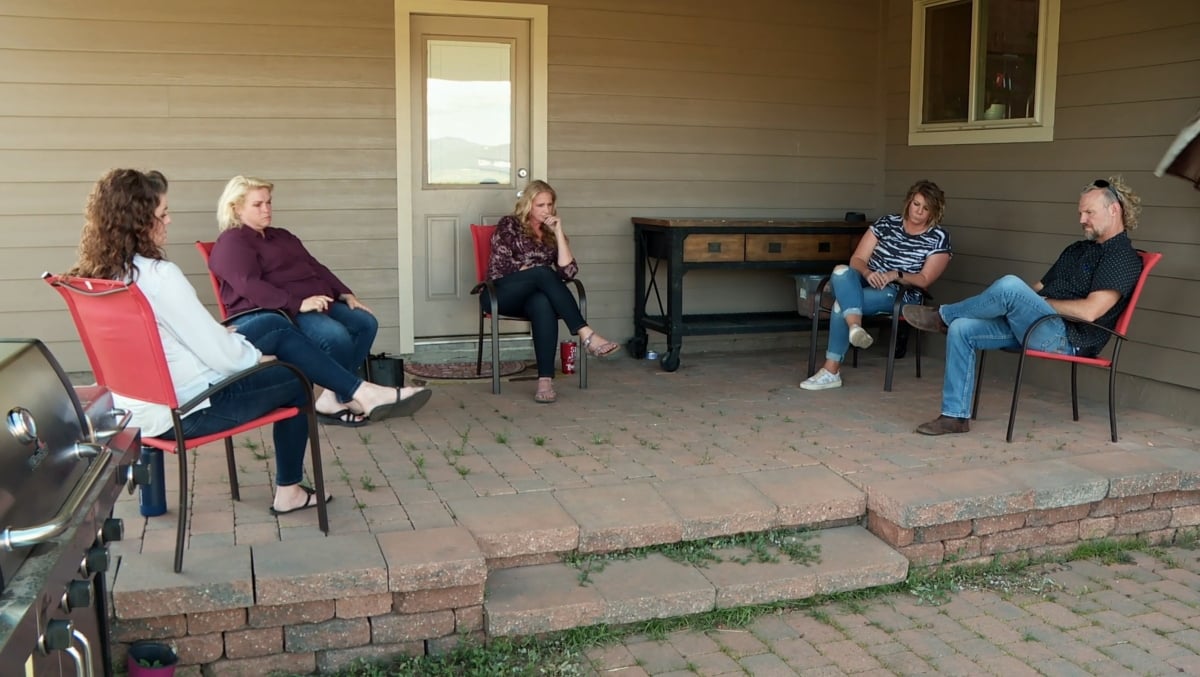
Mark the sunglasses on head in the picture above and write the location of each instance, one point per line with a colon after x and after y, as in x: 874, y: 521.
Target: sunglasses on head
x: 1105, y: 185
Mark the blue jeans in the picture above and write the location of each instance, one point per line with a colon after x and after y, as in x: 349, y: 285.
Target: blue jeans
x: 250, y: 398
x: 997, y: 319
x: 345, y: 334
x: 853, y: 296
x: 538, y: 294
x: 275, y: 334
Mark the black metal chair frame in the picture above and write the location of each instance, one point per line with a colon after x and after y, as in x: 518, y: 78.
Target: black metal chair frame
x: 495, y: 316
x: 877, y: 319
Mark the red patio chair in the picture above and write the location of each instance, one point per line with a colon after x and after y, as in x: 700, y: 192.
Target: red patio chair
x: 120, y: 336
x: 1120, y: 332
x: 205, y: 249
x: 481, y: 236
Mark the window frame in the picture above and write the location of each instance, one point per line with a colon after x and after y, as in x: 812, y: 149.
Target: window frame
x: 1038, y: 128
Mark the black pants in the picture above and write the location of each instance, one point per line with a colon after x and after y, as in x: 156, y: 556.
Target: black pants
x: 538, y: 294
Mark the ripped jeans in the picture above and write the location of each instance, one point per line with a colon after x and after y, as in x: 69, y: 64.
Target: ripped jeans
x: 853, y: 296
x: 996, y: 319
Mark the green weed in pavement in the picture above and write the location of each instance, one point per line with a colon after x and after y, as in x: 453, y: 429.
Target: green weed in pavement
x: 765, y: 546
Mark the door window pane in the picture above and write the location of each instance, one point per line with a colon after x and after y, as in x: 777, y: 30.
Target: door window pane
x: 468, y: 113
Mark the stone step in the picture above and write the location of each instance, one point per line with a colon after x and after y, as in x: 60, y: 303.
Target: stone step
x: 516, y: 529
x: 541, y: 598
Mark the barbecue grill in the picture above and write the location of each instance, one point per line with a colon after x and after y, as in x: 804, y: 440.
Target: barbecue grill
x: 65, y: 455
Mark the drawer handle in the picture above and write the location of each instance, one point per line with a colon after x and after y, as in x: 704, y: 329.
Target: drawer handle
x: 774, y: 247
x: 825, y: 247
x: 714, y: 247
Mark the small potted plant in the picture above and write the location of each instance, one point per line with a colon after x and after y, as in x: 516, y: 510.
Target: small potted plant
x: 151, y: 659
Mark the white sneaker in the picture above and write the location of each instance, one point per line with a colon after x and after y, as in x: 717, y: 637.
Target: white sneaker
x: 822, y: 380
x: 859, y: 338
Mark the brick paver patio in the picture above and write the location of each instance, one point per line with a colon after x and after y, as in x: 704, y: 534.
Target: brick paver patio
x: 1081, y: 618
x: 727, y: 443
x: 718, y: 415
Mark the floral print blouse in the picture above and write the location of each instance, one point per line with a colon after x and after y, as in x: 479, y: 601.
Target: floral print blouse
x: 512, y: 250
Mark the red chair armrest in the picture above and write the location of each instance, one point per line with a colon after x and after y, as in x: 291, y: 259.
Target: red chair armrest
x: 226, y: 382
x: 1065, y: 318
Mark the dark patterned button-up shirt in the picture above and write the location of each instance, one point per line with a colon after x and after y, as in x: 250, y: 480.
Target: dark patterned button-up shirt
x: 1085, y: 267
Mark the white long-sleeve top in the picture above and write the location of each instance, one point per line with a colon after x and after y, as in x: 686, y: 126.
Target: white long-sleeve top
x: 199, y: 350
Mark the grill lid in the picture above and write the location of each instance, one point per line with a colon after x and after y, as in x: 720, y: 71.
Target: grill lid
x: 40, y: 452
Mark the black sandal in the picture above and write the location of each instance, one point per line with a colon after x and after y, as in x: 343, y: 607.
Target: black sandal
x: 345, y: 418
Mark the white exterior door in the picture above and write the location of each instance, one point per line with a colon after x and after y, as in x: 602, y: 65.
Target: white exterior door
x: 470, y: 114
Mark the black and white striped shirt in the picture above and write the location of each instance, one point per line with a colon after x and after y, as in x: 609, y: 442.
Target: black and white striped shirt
x: 897, y: 250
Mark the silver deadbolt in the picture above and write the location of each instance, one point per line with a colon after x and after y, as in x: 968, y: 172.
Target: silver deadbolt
x: 522, y: 173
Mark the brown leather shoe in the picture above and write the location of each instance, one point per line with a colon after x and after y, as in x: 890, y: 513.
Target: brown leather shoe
x: 944, y: 424
x: 925, y: 318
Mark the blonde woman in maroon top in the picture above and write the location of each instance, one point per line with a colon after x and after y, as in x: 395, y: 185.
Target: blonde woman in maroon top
x: 530, y: 260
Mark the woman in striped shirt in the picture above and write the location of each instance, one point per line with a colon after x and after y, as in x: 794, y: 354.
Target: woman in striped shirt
x: 900, y: 254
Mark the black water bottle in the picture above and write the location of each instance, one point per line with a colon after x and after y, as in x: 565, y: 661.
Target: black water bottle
x: 153, y: 496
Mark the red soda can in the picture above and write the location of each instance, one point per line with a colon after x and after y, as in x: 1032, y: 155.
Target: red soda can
x: 568, y: 352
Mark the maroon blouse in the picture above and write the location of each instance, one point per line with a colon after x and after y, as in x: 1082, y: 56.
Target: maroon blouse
x: 269, y: 270
x: 512, y: 250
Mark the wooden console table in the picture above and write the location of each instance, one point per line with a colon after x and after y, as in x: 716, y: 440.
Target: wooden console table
x: 787, y: 245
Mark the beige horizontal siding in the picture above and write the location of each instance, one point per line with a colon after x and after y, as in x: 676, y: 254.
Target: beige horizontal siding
x: 306, y: 100
x: 342, y: 14
x: 193, y: 133
x: 179, y: 37
x: 666, y: 138
x: 196, y: 70
x: 98, y: 102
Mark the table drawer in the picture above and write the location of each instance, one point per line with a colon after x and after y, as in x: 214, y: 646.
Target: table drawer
x: 716, y: 247
x: 800, y: 247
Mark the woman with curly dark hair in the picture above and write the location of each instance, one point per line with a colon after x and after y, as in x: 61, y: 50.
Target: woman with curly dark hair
x: 123, y: 239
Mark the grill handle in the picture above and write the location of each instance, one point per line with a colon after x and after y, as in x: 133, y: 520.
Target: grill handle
x: 82, y: 669
x: 87, y: 654
x: 11, y: 539
x: 105, y: 434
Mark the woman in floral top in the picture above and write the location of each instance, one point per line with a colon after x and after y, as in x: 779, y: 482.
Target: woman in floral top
x: 530, y: 261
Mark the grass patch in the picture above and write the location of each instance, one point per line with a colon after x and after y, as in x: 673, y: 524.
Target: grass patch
x: 260, y: 454
x: 765, y: 546
x: 557, y: 657
x: 1188, y: 539
x: 1112, y: 551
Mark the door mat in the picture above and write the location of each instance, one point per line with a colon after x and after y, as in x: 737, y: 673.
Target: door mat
x: 461, y: 370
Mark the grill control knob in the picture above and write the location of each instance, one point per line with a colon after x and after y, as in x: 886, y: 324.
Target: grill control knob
x: 57, y: 636
x: 77, y: 596
x: 96, y: 560
x: 134, y: 475
x: 112, y: 530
